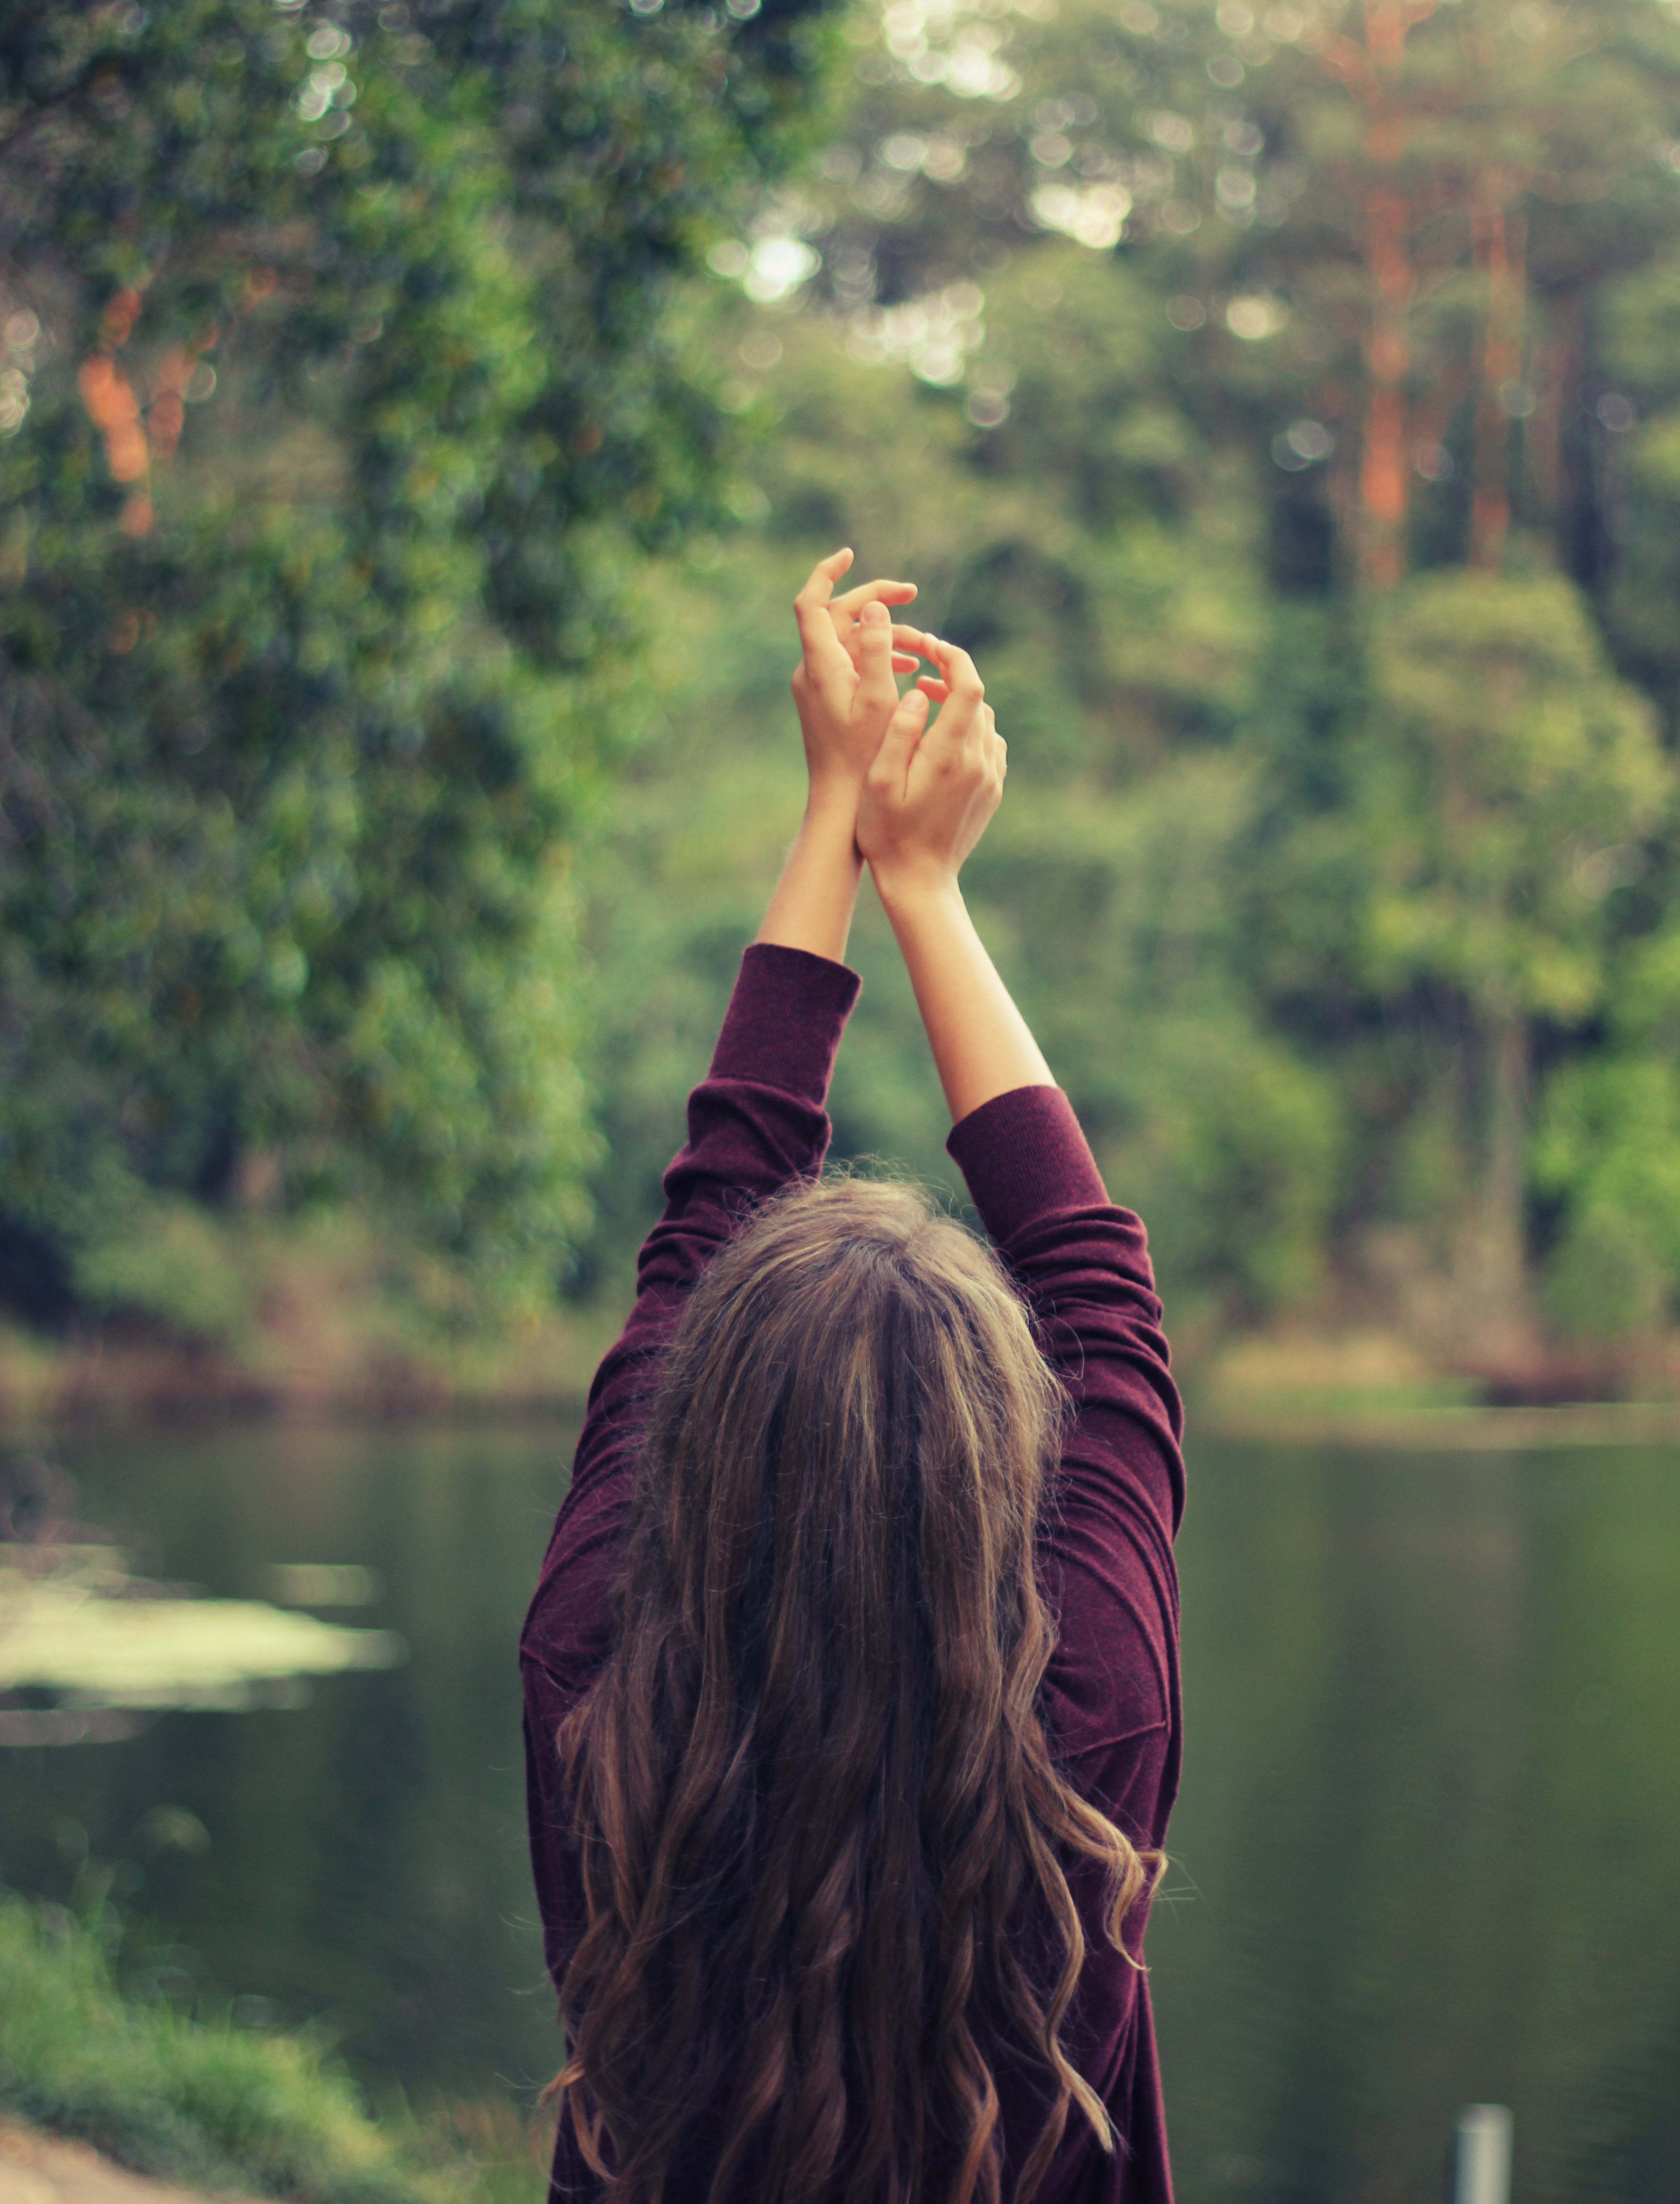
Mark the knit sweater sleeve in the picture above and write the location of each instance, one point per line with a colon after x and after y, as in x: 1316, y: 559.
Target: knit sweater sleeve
x: 1083, y: 1266
x: 757, y: 1122
x: 1109, y: 1699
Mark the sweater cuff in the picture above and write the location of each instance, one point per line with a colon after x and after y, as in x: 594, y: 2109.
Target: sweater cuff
x: 1024, y: 1156
x: 784, y: 1021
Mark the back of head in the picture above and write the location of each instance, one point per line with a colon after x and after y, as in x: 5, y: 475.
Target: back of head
x: 814, y: 1798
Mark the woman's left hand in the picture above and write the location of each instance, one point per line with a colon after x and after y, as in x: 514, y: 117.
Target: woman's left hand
x: 843, y: 688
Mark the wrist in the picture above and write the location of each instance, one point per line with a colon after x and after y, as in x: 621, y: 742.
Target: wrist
x: 813, y: 905
x: 831, y: 804
x: 909, y: 891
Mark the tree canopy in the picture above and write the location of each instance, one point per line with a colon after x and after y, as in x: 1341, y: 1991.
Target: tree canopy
x: 340, y: 390
x: 1279, y: 400
x: 1273, y: 399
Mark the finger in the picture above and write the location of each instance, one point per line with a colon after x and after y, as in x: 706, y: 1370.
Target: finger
x: 959, y: 714
x: 933, y: 686
x: 819, y: 586
x: 876, y: 688
x: 905, y: 640
x: 908, y: 646
x: 821, y: 646
x: 874, y: 593
x: 892, y: 768
x: 959, y: 669
x: 846, y: 613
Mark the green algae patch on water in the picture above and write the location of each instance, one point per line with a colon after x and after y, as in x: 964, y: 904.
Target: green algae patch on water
x: 86, y: 1648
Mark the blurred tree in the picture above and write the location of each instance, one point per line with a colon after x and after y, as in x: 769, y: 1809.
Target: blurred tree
x: 351, y: 376
x: 1607, y: 1153
x: 1121, y: 636
x: 1157, y: 343
x: 1630, y: 528
x: 1472, y: 172
x: 1379, y: 229
x: 1513, y: 781
x: 340, y: 387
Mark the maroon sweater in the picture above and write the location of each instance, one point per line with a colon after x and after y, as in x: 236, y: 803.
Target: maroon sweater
x: 1110, y: 1698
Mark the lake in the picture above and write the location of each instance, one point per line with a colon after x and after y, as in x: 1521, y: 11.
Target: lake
x: 1427, y: 1852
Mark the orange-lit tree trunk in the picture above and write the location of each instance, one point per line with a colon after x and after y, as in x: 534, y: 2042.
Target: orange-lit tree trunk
x: 1384, y: 476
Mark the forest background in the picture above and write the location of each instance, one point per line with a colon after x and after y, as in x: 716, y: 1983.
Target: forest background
x: 414, y: 420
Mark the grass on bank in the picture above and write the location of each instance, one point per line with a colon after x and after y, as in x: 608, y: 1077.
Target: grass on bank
x: 321, y: 1316
x: 213, y: 2105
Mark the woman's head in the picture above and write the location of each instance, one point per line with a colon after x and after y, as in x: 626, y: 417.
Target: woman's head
x: 813, y: 1792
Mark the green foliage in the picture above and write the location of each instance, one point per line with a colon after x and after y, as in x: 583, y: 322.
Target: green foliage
x: 202, y: 2102
x: 1327, y: 893
x: 1244, y: 1172
x: 1101, y: 887
x: 165, y: 1259
x: 1117, y: 902
x: 1305, y: 887
x: 1609, y: 1142
x: 1513, y: 781
x: 342, y: 388
x: 1607, y: 1153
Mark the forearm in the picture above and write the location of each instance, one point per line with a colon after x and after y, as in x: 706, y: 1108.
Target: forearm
x: 982, y: 1046
x: 812, y: 907
x: 757, y: 1121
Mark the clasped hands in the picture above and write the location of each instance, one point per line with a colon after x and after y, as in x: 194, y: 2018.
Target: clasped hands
x: 918, y: 795
x: 909, y: 796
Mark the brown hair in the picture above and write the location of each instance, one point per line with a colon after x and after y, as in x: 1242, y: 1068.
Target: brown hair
x: 813, y: 1797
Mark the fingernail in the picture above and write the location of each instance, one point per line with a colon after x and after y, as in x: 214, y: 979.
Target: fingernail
x: 875, y: 613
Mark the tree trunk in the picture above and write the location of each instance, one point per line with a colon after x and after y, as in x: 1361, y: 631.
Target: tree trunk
x: 1500, y: 1267
x: 1384, y: 470
x: 1498, y: 236
x: 1385, y: 477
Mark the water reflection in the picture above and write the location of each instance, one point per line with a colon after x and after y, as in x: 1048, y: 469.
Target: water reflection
x: 87, y: 1646
x: 1424, y: 1851
x: 1433, y: 1779
x: 363, y: 1860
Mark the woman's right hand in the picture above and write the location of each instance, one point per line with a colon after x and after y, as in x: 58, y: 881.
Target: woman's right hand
x: 931, y: 790
x: 926, y: 800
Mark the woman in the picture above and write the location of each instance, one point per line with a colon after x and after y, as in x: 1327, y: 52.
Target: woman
x: 851, y: 1679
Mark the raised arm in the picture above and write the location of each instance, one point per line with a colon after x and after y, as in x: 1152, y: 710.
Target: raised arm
x: 1082, y: 1262
x: 845, y: 694
x: 757, y: 1121
x: 927, y: 798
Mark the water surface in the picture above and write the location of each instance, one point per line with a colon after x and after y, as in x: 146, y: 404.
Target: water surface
x: 1428, y: 1850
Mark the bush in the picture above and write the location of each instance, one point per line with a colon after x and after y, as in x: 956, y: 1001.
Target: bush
x: 198, y: 2101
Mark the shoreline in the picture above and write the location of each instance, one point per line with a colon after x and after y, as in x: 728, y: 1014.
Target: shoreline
x: 94, y: 1384
x: 1310, y: 1391
x: 1467, y: 1428
x: 46, y: 2168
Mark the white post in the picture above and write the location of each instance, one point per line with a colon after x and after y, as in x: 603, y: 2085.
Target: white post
x: 1484, y: 2155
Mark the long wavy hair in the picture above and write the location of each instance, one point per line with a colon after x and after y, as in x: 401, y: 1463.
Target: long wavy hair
x: 813, y: 1796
